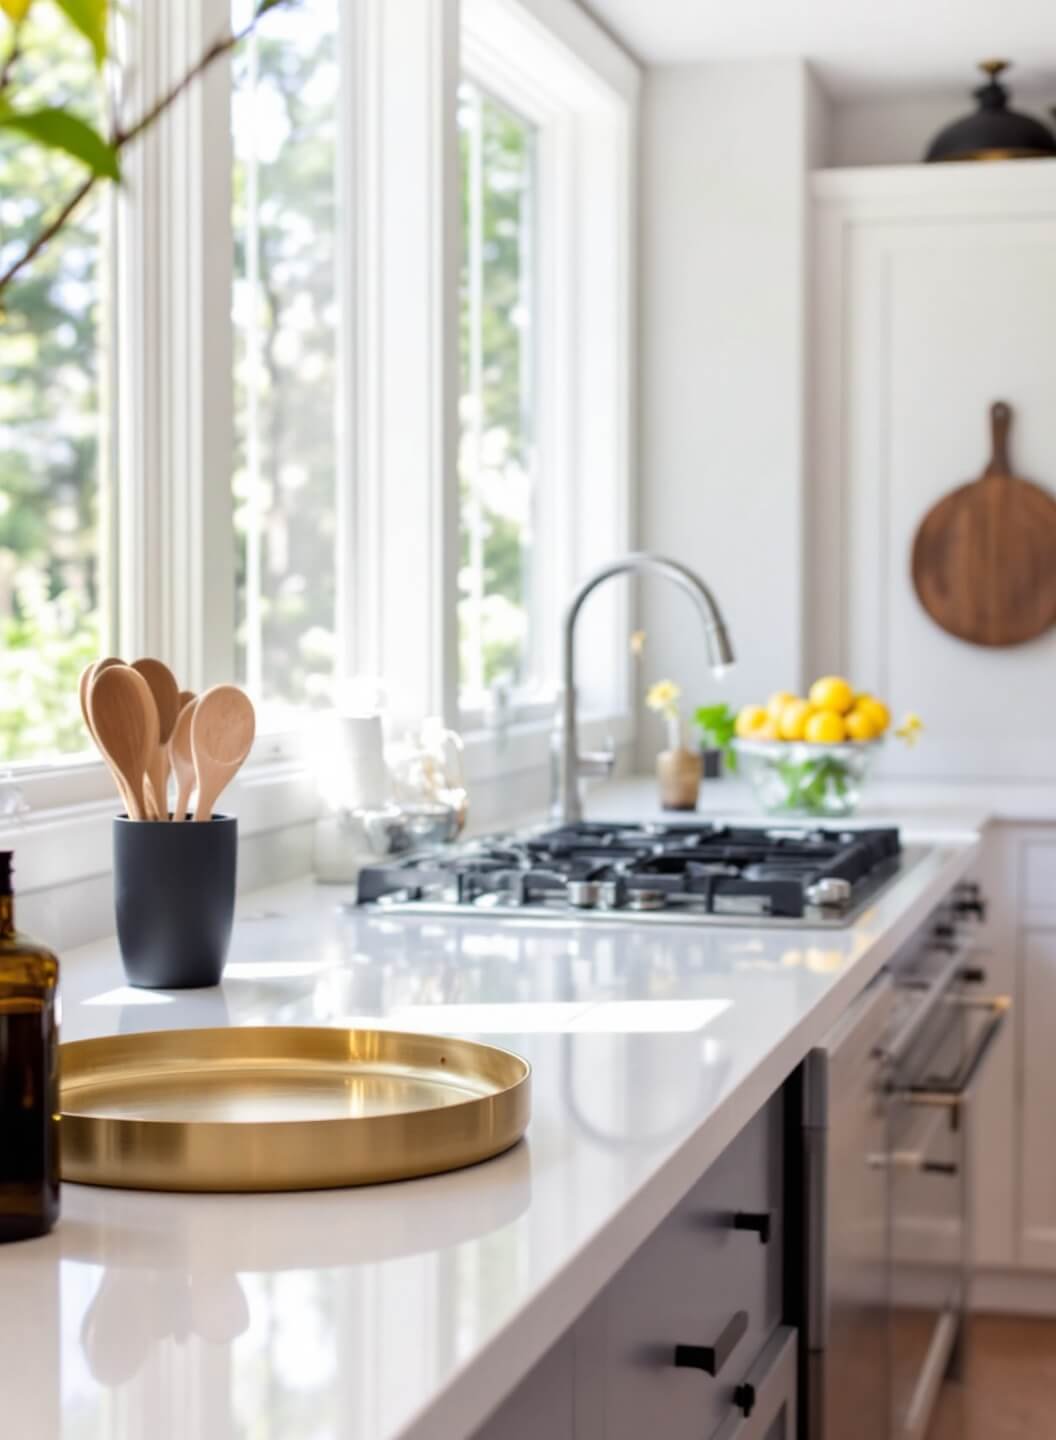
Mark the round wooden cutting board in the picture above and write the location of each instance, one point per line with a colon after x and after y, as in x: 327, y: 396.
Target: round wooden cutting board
x: 984, y: 557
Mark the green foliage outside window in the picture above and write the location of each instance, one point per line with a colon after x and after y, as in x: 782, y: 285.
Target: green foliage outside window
x: 51, y: 556
x: 55, y: 148
x: 496, y: 452
x: 285, y: 463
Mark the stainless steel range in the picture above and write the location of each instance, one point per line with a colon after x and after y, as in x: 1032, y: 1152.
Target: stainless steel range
x: 887, y: 1241
x: 673, y: 873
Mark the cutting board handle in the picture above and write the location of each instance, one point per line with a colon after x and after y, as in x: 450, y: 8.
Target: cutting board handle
x: 1000, y: 425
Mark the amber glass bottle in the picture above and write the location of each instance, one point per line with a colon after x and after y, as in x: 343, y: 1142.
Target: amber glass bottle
x: 29, y: 1093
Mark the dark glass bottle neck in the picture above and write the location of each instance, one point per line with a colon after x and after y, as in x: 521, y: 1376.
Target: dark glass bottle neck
x: 7, y: 916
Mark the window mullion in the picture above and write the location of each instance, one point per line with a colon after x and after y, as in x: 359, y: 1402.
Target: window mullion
x: 352, y: 624
x: 407, y: 492
x: 254, y: 372
x: 138, y: 361
x: 176, y: 564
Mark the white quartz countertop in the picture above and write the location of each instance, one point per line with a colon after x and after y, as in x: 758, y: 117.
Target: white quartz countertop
x: 410, y: 1310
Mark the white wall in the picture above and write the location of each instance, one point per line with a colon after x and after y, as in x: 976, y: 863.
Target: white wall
x: 725, y: 150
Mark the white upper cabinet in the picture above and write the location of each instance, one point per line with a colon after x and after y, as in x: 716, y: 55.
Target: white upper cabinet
x: 934, y: 295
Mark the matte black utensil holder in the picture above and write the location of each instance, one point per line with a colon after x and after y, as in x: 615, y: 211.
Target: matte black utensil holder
x: 174, y: 894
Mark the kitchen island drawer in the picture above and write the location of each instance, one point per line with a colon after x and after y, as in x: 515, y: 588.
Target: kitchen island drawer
x: 681, y: 1323
x: 666, y: 1348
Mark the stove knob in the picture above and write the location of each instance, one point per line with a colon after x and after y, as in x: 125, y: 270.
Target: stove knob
x: 583, y: 894
x: 646, y: 900
x: 612, y: 894
x: 831, y: 893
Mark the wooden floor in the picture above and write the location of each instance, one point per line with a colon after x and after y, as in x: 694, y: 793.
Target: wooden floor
x: 1010, y: 1393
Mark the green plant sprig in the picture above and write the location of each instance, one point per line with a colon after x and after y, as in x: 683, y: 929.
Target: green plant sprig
x: 716, y: 724
x: 57, y: 128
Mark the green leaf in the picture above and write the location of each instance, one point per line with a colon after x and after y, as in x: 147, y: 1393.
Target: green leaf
x: 59, y: 130
x: 265, y: 5
x: 90, y: 18
x: 717, y: 724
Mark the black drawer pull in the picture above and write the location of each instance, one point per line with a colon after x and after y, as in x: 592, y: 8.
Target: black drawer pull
x: 939, y: 1167
x: 973, y: 975
x: 711, y: 1358
x: 744, y: 1399
x: 758, y: 1221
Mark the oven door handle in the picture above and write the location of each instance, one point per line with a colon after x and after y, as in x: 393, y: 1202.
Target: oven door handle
x: 943, y: 984
x: 914, y: 1160
x: 957, y: 1089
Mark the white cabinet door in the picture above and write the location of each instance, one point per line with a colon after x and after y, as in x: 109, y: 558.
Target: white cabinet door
x: 1037, y: 1021
x: 936, y: 296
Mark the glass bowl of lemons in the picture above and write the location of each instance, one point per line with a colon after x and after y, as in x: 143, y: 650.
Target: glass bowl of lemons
x: 812, y: 756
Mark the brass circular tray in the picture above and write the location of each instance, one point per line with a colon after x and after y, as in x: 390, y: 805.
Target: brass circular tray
x: 283, y: 1107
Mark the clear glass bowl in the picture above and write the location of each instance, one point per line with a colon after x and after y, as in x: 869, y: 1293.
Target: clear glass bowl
x: 790, y: 777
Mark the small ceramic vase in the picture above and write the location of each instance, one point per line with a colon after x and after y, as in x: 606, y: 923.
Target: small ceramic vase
x: 678, y: 773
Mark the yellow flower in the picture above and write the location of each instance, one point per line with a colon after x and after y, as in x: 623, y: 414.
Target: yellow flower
x: 664, y: 696
x: 638, y: 644
x: 910, y: 729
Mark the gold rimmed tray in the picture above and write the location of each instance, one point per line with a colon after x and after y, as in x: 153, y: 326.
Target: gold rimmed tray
x: 283, y: 1107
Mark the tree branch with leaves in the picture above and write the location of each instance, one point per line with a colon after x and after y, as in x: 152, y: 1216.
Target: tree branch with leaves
x: 57, y: 127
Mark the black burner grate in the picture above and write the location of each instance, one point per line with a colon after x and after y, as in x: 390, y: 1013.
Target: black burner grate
x: 710, y: 868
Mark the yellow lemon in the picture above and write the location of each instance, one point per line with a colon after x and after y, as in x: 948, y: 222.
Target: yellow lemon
x: 793, y: 720
x: 750, y: 720
x: 825, y: 727
x: 776, y: 704
x: 832, y: 692
x: 861, y: 723
x: 876, y: 709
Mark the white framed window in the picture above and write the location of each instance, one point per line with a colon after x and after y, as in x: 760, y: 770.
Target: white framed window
x: 278, y: 496
x: 548, y: 120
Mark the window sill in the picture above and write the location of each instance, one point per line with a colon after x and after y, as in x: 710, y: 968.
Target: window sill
x: 61, y: 844
x: 68, y: 839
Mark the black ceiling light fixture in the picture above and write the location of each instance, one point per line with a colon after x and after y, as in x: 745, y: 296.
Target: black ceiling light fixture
x: 993, y: 132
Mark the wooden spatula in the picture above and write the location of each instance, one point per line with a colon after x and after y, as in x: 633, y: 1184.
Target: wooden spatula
x: 182, y: 757
x: 222, y: 730
x: 124, y: 720
x: 166, y: 693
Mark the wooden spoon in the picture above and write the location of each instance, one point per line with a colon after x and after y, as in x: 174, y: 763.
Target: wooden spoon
x: 166, y: 695
x: 222, y: 730
x: 124, y: 720
x: 87, y: 675
x: 182, y: 757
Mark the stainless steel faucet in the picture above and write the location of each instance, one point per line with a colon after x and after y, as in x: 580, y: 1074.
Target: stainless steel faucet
x: 568, y: 766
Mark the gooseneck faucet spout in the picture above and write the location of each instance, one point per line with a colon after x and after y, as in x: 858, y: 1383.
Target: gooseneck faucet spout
x: 569, y: 765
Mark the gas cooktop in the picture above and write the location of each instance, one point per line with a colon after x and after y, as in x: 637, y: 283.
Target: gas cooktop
x: 689, y: 873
